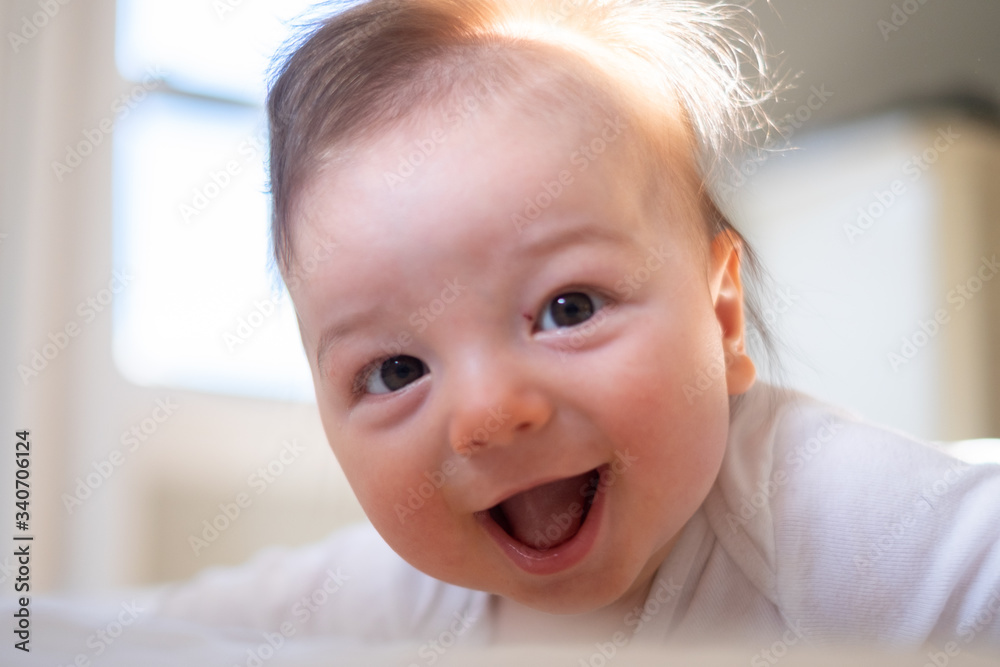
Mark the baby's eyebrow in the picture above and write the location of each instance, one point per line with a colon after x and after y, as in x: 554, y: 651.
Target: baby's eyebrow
x: 568, y: 236
x: 335, y: 333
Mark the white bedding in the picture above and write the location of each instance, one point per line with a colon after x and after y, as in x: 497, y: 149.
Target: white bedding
x: 66, y: 632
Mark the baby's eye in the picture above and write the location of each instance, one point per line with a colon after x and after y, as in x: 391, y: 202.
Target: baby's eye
x: 393, y: 374
x: 569, y: 309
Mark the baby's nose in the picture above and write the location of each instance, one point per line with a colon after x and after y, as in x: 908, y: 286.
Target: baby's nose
x: 495, y: 408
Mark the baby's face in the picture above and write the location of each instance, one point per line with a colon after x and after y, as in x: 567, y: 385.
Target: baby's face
x: 523, y: 406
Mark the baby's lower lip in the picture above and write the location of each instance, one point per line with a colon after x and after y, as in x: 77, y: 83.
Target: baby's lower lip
x: 558, y: 558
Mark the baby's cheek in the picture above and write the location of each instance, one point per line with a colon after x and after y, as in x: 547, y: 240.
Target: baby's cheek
x: 427, y: 535
x: 655, y: 379
x: 665, y: 403
x: 399, y: 500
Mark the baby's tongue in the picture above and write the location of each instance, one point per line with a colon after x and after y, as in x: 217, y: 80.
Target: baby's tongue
x: 547, y: 515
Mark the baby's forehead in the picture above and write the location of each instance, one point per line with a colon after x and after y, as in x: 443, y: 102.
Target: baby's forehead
x: 502, y: 172
x: 567, y: 115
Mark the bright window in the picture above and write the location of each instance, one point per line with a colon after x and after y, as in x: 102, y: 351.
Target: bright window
x: 205, y: 309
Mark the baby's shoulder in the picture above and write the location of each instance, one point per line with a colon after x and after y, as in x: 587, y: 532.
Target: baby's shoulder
x: 857, y: 524
x: 833, y: 468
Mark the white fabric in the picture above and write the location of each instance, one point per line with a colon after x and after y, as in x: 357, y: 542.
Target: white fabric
x: 820, y: 529
x: 64, y: 633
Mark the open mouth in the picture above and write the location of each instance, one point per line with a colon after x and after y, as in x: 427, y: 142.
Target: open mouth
x: 548, y: 515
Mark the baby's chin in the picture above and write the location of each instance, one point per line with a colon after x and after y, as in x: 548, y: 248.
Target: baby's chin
x: 581, y: 594
x: 615, y: 588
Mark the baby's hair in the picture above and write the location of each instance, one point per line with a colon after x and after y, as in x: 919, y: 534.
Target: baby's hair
x: 375, y: 65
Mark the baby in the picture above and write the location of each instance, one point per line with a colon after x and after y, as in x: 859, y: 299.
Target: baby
x: 530, y: 355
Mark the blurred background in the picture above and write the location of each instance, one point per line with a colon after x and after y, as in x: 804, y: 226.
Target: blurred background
x: 152, y: 352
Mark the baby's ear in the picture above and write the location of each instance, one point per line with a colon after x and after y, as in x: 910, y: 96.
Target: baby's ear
x: 727, y: 296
